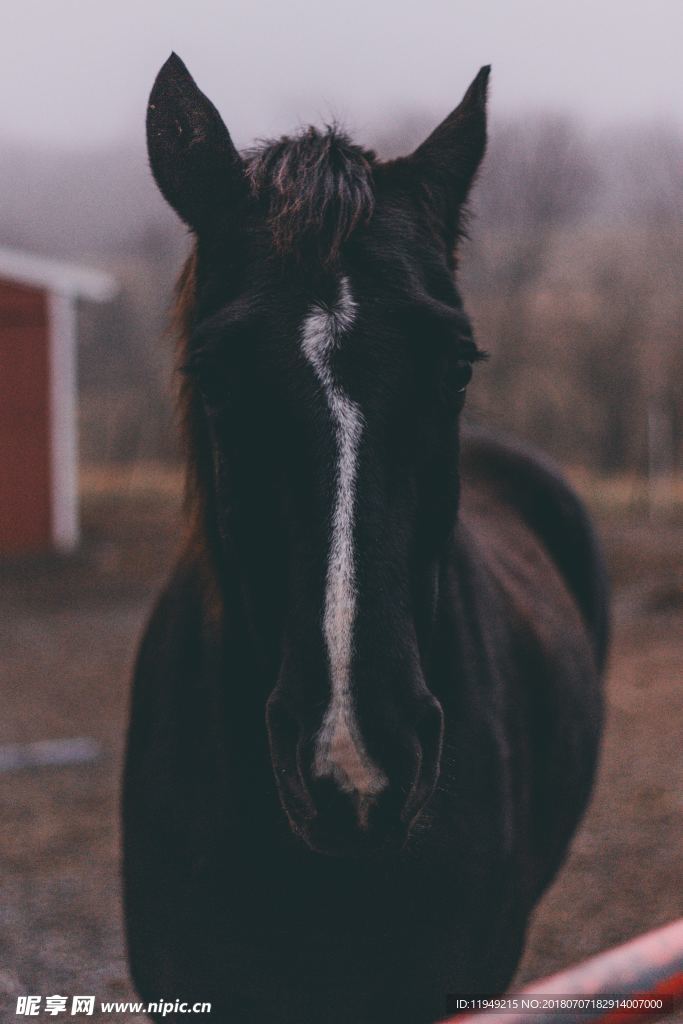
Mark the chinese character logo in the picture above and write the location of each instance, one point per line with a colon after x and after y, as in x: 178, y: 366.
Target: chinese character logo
x: 83, y: 1004
x: 28, y: 1006
x: 55, y: 1005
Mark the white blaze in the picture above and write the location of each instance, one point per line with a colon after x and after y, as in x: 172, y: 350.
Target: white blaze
x: 340, y: 753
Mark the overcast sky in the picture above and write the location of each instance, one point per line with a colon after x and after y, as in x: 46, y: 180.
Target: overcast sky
x: 77, y: 72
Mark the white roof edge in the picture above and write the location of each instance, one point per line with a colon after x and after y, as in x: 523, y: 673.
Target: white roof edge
x: 57, y: 276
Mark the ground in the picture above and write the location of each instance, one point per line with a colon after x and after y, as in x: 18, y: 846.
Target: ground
x: 68, y: 634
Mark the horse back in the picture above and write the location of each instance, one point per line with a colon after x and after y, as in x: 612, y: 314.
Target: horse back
x: 506, y: 476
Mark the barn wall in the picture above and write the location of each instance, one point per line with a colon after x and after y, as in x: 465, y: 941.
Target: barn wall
x: 25, y: 457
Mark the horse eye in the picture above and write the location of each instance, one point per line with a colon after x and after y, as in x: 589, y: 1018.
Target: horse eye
x: 456, y: 378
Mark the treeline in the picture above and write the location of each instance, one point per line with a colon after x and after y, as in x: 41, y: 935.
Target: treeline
x: 573, y: 274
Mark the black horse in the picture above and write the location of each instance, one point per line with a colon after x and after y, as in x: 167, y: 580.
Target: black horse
x: 367, y: 707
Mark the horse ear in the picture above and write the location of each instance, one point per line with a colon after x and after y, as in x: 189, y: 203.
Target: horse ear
x: 194, y: 162
x: 448, y: 160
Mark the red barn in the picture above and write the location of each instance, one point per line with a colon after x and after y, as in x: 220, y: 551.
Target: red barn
x: 38, y: 399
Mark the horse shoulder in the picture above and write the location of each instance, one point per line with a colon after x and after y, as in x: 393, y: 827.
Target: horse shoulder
x: 171, y: 698
x: 542, y: 561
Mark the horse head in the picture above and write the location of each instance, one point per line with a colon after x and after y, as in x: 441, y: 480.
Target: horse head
x: 326, y: 363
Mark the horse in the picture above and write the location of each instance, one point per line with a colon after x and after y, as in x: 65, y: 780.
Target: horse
x: 367, y: 706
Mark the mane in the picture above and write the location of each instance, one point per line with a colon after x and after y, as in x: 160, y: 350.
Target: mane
x: 316, y: 188
x: 191, y: 422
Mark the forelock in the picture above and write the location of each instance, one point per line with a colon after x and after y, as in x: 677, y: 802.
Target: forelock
x: 316, y: 189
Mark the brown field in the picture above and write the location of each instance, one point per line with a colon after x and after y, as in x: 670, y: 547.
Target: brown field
x: 69, y: 629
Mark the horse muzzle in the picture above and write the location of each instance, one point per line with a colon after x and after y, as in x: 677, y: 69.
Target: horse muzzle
x: 330, y: 813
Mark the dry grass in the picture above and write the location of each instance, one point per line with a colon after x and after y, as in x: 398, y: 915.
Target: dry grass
x: 630, y: 493
x: 130, y: 479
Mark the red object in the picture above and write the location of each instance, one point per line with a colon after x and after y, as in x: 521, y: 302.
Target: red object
x: 649, y: 966
x: 38, y: 400
x: 25, y: 458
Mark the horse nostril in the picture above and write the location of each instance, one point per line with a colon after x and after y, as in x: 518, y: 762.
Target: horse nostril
x: 428, y: 727
x: 285, y: 736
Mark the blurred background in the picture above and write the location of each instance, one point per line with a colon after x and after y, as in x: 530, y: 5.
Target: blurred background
x: 573, y: 275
